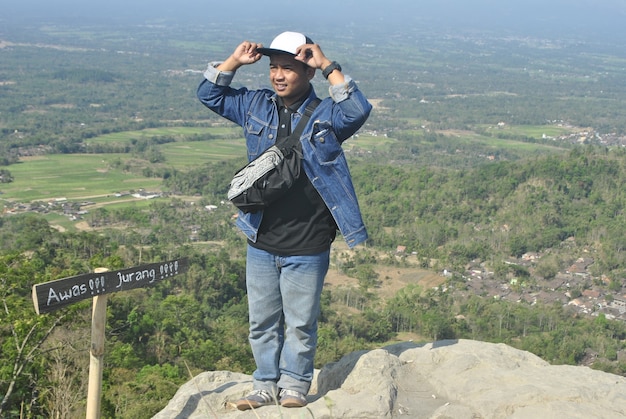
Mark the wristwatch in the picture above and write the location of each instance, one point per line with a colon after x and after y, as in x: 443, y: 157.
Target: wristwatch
x: 330, y: 68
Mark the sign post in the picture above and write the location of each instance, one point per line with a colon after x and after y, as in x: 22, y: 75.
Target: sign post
x: 53, y: 295
x: 96, y: 354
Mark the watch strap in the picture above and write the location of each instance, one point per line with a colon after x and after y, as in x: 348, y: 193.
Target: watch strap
x: 330, y: 68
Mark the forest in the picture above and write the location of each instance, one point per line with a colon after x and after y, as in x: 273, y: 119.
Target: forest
x: 480, y: 149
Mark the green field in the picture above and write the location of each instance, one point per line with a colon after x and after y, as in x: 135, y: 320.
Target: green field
x: 530, y: 131
x: 72, y: 176
x: 184, y: 155
x: 494, y: 143
x: 98, y: 177
x: 125, y: 137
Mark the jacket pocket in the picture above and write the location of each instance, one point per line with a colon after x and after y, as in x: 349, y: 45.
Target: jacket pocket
x: 325, y: 144
x: 255, y: 129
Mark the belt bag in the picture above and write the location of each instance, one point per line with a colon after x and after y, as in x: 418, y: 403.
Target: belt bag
x: 268, y: 177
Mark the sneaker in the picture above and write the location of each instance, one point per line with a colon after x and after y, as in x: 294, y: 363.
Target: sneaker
x: 255, y: 399
x: 292, y: 398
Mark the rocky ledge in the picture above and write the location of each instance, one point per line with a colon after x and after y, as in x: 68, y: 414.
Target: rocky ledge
x: 456, y: 379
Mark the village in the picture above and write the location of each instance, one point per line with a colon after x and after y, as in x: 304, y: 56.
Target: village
x: 574, y: 288
x: 73, y: 210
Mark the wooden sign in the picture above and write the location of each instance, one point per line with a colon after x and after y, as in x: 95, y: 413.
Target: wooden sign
x: 53, y: 295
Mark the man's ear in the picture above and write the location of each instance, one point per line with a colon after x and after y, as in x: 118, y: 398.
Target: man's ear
x: 310, y: 72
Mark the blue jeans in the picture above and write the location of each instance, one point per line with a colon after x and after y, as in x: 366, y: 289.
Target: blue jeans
x: 284, y: 302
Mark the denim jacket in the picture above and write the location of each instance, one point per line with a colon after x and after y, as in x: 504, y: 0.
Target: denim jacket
x: 334, y: 120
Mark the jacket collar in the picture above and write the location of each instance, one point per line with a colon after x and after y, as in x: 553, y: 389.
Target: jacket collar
x: 300, y: 105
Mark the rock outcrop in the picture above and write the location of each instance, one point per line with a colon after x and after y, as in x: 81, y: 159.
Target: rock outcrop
x: 455, y: 379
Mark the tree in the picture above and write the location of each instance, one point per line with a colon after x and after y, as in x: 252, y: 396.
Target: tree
x: 23, y: 334
x: 67, y: 372
x: 367, y: 277
x: 5, y: 176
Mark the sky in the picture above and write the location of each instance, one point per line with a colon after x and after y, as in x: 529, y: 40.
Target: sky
x: 582, y: 17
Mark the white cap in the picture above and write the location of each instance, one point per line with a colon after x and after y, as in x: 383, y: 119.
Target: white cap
x: 286, y: 43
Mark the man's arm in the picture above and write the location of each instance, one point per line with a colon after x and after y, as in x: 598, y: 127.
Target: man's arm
x: 245, y: 53
x: 218, y: 76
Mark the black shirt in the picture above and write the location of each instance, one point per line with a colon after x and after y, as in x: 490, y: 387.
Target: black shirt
x: 299, y: 223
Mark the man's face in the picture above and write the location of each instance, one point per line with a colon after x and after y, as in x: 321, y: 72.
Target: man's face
x: 290, y: 78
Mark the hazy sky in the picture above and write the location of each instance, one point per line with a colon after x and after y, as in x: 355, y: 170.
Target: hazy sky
x: 585, y: 17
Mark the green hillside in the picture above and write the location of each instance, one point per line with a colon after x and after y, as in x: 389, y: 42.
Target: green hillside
x: 490, y: 175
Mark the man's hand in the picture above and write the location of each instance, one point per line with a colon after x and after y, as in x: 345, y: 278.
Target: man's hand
x: 312, y: 55
x: 245, y: 53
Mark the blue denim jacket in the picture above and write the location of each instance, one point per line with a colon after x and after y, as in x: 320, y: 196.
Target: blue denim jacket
x: 335, y: 119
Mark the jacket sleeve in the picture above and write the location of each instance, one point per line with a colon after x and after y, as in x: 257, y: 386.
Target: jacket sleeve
x: 216, y: 94
x: 351, y: 108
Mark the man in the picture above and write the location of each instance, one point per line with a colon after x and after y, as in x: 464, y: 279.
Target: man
x: 289, y: 242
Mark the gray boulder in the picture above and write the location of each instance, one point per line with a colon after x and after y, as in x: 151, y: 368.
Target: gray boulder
x: 455, y: 379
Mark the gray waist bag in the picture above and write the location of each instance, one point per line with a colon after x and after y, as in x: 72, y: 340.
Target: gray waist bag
x: 268, y: 177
